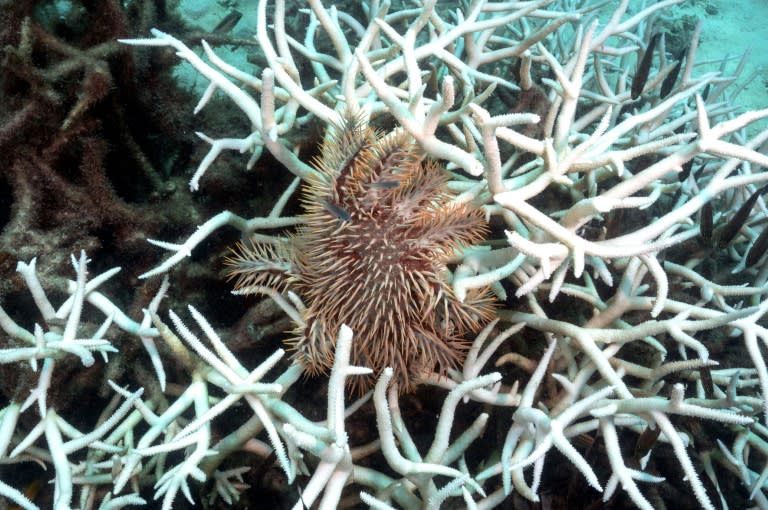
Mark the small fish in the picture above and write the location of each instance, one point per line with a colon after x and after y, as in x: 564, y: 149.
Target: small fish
x: 706, y: 221
x: 682, y: 176
x: 724, y: 234
x: 669, y: 82
x: 433, y: 87
x: 757, y: 249
x: 645, y: 442
x: 228, y: 22
x: 644, y: 68
x: 706, y: 380
x: 384, y: 185
x: 336, y: 210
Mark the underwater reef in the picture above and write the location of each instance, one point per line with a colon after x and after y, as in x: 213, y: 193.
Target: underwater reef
x: 383, y: 254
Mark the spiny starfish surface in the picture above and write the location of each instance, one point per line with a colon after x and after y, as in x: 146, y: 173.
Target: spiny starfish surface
x: 379, y: 230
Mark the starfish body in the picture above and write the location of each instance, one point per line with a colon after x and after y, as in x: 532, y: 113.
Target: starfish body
x: 379, y: 230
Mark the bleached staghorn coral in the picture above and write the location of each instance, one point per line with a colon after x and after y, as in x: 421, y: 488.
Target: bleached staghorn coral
x: 61, y: 336
x: 165, y: 440
x: 584, y: 154
x: 591, y: 146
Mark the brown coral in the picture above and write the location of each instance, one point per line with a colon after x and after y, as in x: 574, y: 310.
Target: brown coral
x: 379, y: 229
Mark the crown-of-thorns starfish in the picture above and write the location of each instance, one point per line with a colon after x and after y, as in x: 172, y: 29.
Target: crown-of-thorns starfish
x: 379, y: 230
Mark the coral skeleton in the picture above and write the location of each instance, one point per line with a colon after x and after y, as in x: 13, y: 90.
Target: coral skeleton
x: 540, y: 213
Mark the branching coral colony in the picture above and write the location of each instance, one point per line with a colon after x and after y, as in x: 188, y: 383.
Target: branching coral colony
x: 604, y: 184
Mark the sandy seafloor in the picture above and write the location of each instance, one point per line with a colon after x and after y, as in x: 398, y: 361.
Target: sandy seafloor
x: 732, y: 27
